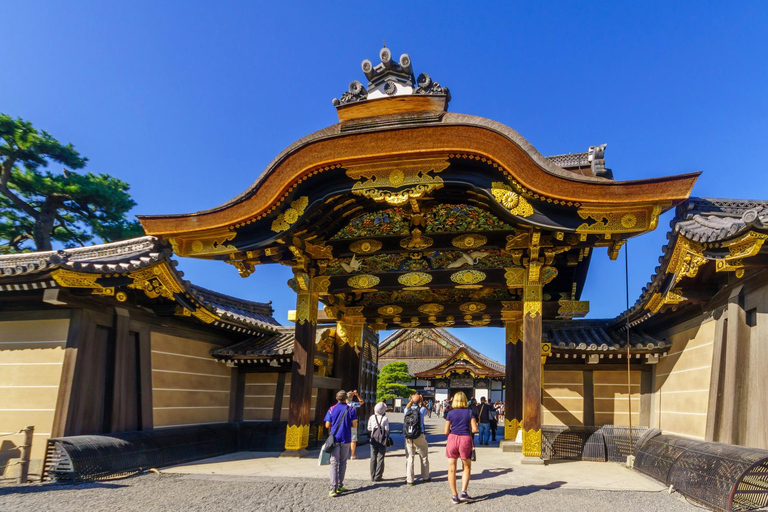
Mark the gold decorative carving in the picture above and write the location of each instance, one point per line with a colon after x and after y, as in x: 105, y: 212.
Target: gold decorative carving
x: 321, y: 284
x: 363, y: 281
x: 365, y: 246
x: 546, y: 349
x: 431, y: 309
x: 376, y: 178
x: 515, y: 277
x: 296, y: 437
x: 319, y: 251
x: 156, y: 281
x: 614, y: 248
x: 472, y: 307
x: 414, y: 279
x: 121, y: 296
x: 572, y: 308
x: 513, y: 331
x: 518, y: 241
x: 448, y: 322
x: 390, y: 310
x: 686, y: 259
x: 204, y: 244
x: 548, y: 274
x: 465, y: 277
x: 69, y: 279
x: 511, y: 200
x: 486, y: 319
x: 612, y: 219
x: 108, y: 291
x: 469, y: 241
x: 532, y: 300
x: 289, y: 217
x: 745, y: 246
x: 511, y: 427
x: 532, y: 443
x: 416, y: 242
x: 244, y: 268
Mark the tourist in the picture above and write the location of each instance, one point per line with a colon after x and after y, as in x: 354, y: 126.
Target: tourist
x: 494, y: 421
x: 460, y: 426
x: 415, y: 434
x: 378, y: 426
x: 356, y: 405
x: 484, y: 418
x: 340, y: 420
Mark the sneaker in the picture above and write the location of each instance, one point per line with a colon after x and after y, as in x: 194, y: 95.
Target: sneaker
x: 354, y: 457
x: 341, y: 490
x: 333, y: 493
x: 465, y: 496
x: 455, y: 500
x: 409, y: 484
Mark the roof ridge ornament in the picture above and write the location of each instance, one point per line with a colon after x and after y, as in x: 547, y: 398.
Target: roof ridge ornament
x: 390, y: 78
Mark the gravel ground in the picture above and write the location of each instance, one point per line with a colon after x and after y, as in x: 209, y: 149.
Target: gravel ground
x: 167, y: 492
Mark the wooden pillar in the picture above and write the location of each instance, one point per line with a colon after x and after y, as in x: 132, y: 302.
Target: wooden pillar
x: 736, y: 353
x: 237, y: 394
x: 302, y: 369
x: 349, y: 331
x: 532, y: 359
x: 513, y: 397
x: 588, y: 380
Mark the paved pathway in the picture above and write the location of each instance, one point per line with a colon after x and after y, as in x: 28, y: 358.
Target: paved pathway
x: 492, y: 466
x: 250, y: 481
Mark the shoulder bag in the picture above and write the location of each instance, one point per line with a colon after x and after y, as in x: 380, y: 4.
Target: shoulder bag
x: 330, y: 443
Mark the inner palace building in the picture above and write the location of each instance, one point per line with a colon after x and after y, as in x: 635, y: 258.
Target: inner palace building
x: 401, y: 216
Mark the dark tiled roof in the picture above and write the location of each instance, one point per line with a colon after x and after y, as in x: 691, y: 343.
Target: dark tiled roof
x: 239, y: 310
x: 571, y: 160
x: 121, y: 258
x: 262, y: 346
x: 703, y: 220
x: 455, y: 363
x: 415, y: 365
x: 714, y: 220
x: 596, y: 336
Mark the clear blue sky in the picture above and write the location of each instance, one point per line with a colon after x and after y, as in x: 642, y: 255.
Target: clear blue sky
x: 189, y: 101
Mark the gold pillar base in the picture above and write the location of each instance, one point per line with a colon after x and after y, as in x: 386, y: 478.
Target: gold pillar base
x: 532, y: 443
x: 296, y: 437
x: 511, y: 427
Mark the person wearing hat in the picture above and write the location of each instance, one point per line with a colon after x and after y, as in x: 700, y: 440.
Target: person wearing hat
x: 340, y: 420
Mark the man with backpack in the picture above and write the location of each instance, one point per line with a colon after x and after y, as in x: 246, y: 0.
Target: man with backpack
x: 415, y: 435
x: 340, y: 420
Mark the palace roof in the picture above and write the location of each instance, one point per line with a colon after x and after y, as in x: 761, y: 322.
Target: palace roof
x: 597, y: 336
x: 117, y: 271
x: 450, y: 343
x: 709, y: 240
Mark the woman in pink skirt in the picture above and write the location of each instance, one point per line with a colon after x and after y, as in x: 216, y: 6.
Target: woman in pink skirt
x: 460, y: 424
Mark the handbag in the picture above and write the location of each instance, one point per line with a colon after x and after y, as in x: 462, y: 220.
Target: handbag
x: 324, y: 458
x: 330, y: 443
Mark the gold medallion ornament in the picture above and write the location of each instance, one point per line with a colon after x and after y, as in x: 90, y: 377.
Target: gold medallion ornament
x: 291, y: 215
x: 390, y: 310
x: 363, y: 281
x: 430, y: 309
x: 464, y: 277
x: 413, y: 279
x: 365, y: 246
x: 511, y: 200
x: 472, y: 307
x: 469, y: 241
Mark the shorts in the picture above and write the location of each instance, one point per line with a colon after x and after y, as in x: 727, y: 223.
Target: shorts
x: 458, y: 447
x: 354, y: 435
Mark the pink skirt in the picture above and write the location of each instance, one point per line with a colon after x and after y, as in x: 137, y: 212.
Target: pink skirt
x: 458, y: 447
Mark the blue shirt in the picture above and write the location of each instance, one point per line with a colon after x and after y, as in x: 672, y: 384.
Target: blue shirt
x: 422, y: 413
x: 461, y: 421
x: 341, y: 429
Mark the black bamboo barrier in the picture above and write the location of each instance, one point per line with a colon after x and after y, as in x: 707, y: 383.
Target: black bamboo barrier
x: 107, y: 456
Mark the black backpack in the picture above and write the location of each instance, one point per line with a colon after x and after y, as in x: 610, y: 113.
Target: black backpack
x: 412, y: 424
x: 379, y: 434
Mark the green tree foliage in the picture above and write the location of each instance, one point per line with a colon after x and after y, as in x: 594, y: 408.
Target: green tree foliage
x: 390, y: 384
x: 38, y: 206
